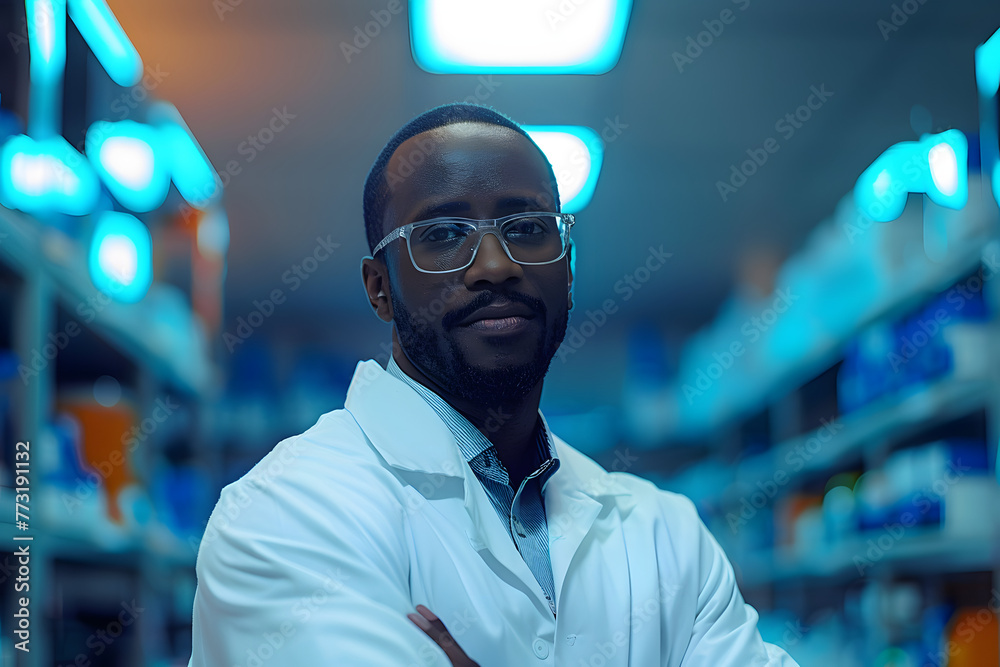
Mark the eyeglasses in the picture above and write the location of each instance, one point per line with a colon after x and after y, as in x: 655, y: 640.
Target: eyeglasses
x: 442, y: 245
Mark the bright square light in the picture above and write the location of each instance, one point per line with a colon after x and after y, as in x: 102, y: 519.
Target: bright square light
x: 937, y: 165
x: 576, y: 154
x: 518, y: 36
x: 190, y: 169
x: 129, y: 158
x: 121, y: 258
x: 108, y: 41
x: 947, y: 179
x: 46, y: 175
x: 988, y: 66
x: 46, y: 39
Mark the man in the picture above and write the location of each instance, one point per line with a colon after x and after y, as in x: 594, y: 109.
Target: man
x: 439, y: 488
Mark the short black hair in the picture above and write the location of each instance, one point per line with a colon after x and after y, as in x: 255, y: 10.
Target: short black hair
x: 377, y: 192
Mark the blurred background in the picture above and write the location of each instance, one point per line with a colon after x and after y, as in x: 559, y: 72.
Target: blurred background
x: 787, y: 239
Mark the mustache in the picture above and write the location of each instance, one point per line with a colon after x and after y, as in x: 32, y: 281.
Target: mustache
x: 483, y: 299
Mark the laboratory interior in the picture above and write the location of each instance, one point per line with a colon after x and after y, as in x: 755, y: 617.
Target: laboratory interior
x: 786, y: 260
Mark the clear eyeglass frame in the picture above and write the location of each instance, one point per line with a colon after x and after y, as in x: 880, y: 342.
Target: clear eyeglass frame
x: 484, y: 227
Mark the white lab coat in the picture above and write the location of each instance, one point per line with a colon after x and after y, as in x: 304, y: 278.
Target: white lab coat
x: 318, y: 553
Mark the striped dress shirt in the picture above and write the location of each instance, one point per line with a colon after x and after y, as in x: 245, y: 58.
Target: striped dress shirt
x: 523, y: 511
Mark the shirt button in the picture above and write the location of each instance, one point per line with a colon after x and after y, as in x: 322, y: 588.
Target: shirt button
x: 570, y: 639
x: 541, y: 649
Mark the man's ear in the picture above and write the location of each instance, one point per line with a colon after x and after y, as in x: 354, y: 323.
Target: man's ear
x: 375, y: 276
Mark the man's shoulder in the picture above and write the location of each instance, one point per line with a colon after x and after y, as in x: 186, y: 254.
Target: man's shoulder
x: 331, y: 454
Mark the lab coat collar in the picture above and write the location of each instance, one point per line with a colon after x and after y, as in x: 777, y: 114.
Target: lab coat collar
x: 409, y: 435
x: 403, y: 428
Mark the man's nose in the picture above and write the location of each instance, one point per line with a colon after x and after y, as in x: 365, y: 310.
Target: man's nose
x: 492, y: 264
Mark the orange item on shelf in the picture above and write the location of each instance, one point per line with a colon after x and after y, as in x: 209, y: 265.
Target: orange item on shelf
x: 104, y: 436
x: 973, y: 638
x: 787, y: 512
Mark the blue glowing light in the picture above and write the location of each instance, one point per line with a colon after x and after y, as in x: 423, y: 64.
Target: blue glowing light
x: 988, y: 66
x: 120, y: 258
x: 46, y: 21
x: 191, y: 171
x: 937, y: 165
x: 515, y: 36
x: 996, y: 182
x: 46, y: 175
x: 946, y: 181
x: 988, y: 81
x: 128, y: 158
x: 46, y: 39
x: 576, y: 154
x: 107, y: 40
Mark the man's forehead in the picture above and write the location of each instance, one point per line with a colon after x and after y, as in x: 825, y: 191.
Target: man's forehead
x: 464, y: 162
x: 458, y: 141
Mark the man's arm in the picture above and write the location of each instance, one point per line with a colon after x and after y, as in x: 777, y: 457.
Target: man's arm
x: 291, y: 572
x: 725, y: 630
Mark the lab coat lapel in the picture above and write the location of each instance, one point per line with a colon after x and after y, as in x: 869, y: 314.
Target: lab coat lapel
x: 575, y: 496
x: 410, y: 436
x: 403, y: 428
x: 491, y: 539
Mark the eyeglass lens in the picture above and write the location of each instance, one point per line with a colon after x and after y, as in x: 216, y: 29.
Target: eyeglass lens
x: 449, y: 244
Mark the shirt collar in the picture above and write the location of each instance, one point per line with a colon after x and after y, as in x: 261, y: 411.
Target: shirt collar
x: 430, y: 448
x: 470, y: 440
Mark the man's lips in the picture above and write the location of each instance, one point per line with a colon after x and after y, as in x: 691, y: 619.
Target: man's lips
x: 499, y: 314
x: 504, y: 324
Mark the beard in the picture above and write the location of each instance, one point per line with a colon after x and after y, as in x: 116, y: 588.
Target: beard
x: 441, y: 358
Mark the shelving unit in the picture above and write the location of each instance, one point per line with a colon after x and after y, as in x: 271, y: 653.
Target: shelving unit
x: 762, y: 431
x: 79, y: 569
x: 927, y: 550
x: 107, y: 526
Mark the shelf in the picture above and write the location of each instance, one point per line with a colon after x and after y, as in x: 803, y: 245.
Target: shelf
x: 892, y: 416
x: 175, y: 354
x: 127, y: 550
x: 773, y: 365
x: 921, y: 551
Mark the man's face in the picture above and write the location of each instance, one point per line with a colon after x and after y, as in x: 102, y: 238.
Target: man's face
x: 474, y: 170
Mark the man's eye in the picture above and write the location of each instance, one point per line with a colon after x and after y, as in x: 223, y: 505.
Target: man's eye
x: 528, y: 227
x: 443, y: 232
